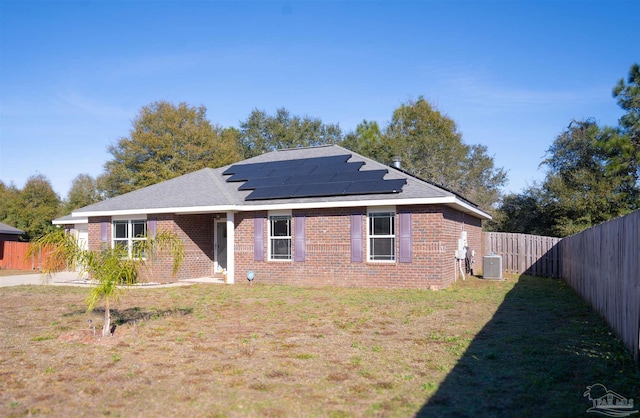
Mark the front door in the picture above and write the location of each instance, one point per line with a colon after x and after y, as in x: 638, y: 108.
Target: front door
x: 221, y: 245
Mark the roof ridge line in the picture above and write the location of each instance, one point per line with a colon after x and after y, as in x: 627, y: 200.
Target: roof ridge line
x: 309, y: 147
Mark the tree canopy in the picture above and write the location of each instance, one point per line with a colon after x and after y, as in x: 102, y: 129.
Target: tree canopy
x: 368, y: 140
x: 428, y: 143
x: 628, y: 97
x: 9, y: 201
x: 32, y: 208
x: 166, y: 141
x: 592, y: 174
x: 431, y: 147
x: 262, y: 133
x: 522, y: 213
x: 578, y: 190
x: 83, y: 192
x: 622, y: 144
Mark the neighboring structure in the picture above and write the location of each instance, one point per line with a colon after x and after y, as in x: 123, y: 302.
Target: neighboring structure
x: 9, y: 233
x: 308, y: 216
x: 11, y: 251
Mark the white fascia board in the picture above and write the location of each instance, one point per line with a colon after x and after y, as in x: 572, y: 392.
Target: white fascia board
x: 79, y: 220
x: 447, y: 200
x: 180, y: 210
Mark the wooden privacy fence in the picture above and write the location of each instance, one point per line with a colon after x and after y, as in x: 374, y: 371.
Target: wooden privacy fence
x: 602, y: 265
x: 524, y: 254
x: 12, y: 256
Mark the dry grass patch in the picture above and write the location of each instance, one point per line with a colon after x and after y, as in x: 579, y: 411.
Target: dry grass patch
x: 236, y: 351
x: 12, y: 272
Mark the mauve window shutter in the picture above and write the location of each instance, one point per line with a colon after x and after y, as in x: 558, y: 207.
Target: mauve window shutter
x: 299, y: 238
x: 152, y: 226
x: 104, y: 231
x: 356, y: 238
x: 258, y: 239
x: 406, y: 238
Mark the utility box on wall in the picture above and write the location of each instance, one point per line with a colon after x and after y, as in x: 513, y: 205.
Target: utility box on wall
x: 492, y: 267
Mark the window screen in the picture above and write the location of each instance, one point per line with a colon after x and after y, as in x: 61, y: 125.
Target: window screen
x: 280, y: 237
x: 382, y: 239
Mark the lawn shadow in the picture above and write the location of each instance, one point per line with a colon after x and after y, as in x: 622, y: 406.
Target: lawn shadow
x: 535, y: 357
x: 136, y: 314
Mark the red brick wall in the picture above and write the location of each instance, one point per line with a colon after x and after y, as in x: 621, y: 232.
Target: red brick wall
x: 436, y: 231
x: 196, y: 231
x: 94, y: 231
x: 454, y: 222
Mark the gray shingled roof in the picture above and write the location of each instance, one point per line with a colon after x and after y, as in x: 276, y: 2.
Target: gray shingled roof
x: 9, y: 230
x: 207, y: 190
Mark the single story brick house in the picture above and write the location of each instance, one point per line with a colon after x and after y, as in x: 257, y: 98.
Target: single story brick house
x: 308, y: 216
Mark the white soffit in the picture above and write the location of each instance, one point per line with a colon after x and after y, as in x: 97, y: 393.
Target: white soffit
x: 448, y: 200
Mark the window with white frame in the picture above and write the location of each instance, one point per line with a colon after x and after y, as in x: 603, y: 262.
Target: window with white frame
x: 129, y: 234
x: 280, y: 237
x: 381, y: 233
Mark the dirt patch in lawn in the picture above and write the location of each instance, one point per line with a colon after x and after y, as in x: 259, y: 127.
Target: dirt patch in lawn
x: 216, y: 350
x: 11, y: 272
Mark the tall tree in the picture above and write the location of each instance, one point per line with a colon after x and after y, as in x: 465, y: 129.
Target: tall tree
x: 622, y: 144
x: 481, y: 180
x: 9, y: 205
x: 593, y: 174
x: 166, y: 141
x: 431, y: 148
x: 628, y: 96
x: 428, y: 142
x: 524, y: 213
x: 262, y: 133
x: 83, y: 192
x: 369, y: 140
x: 580, y: 191
x: 38, y: 204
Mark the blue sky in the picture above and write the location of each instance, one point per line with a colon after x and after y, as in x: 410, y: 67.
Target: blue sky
x: 511, y: 74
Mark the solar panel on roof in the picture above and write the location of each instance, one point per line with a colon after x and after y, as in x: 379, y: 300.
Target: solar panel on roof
x: 274, y: 192
x: 240, y: 168
x: 320, y: 178
x: 338, y: 168
x: 263, y: 182
x: 361, y: 175
x: 272, y: 165
x: 376, y: 186
x: 310, y: 177
x: 328, y: 189
x: 333, y: 159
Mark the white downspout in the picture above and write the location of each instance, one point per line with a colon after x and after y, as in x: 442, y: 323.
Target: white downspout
x: 231, y: 262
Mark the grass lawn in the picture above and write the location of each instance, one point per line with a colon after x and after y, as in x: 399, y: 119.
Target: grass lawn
x: 522, y: 347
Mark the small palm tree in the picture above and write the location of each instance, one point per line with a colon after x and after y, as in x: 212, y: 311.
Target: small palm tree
x: 109, y: 269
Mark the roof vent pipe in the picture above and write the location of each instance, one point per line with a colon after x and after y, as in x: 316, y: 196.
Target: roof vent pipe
x: 397, y: 162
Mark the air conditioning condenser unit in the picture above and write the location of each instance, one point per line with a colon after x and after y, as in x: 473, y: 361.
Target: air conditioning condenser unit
x: 492, y: 267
